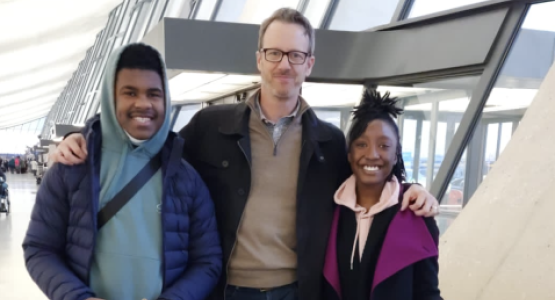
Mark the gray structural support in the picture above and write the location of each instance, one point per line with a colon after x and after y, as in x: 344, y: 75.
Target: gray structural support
x: 479, y: 97
x: 349, y: 57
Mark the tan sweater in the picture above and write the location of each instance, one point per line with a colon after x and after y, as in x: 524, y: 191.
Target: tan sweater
x: 264, y: 256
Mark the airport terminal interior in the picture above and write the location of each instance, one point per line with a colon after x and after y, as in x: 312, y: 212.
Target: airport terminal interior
x: 464, y: 71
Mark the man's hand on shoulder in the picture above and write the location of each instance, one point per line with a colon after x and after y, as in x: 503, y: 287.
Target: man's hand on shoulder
x: 420, y: 201
x: 71, y: 151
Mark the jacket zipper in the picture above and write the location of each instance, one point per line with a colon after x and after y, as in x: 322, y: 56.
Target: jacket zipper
x: 236, y: 231
x: 243, y: 213
x: 286, y: 129
x: 162, y: 214
x: 94, y: 210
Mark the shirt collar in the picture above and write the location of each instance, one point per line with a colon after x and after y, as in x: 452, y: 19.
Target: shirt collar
x: 265, y: 119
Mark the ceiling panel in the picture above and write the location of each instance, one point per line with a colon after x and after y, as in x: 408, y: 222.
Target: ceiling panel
x: 41, y: 45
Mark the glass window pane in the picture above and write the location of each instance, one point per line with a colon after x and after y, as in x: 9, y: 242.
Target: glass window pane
x: 143, y: 16
x: 251, y: 11
x: 41, y: 123
x: 426, y: 7
x: 205, y: 10
x: 18, y: 140
x: 539, y: 17
x: 328, y: 94
x: 230, y: 10
x: 257, y: 13
x: 185, y: 115
x: 408, y: 145
x: 453, y: 200
x: 87, y: 110
x: 156, y: 14
x: 131, y: 26
x: 359, y: 15
x: 33, y: 126
x: 315, y: 11
x: 441, y: 141
x: 526, y: 66
x: 123, y: 24
x: 506, y: 134
x: 420, y: 175
x: 25, y: 128
x: 330, y: 116
x: 433, y: 111
x: 490, y: 156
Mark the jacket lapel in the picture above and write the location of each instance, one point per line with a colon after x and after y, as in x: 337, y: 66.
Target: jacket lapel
x: 313, y: 135
x: 331, y: 268
x: 238, y: 126
x: 377, y: 231
x: 407, y: 241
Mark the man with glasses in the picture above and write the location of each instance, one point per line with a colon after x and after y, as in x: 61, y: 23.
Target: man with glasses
x: 272, y: 168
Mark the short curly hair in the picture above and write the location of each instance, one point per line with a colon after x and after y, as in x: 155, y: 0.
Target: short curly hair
x: 140, y: 56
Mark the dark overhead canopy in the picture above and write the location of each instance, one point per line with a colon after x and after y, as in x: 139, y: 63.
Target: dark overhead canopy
x: 357, y: 57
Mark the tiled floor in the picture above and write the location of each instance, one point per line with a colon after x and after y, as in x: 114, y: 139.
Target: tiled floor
x: 15, y: 283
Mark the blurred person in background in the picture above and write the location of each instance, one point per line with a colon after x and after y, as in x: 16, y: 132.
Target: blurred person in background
x: 34, y: 167
x: 11, y: 165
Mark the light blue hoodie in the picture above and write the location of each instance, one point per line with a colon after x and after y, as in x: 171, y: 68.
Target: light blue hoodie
x: 127, y: 264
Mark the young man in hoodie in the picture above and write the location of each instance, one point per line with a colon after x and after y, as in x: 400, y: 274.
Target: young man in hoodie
x: 163, y: 243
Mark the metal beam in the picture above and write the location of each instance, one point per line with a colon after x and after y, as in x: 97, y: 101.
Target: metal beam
x: 434, y: 97
x: 216, y: 10
x: 450, y: 132
x: 402, y: 11
x: 430, y: 163
x: 474, y: 162
x: 443, y: 46
x: 330, y: 12
x: 417, y: 148
x: 479, y: 97
x: 301, y: 7
x: 453, y: 13
x: 498, y: 144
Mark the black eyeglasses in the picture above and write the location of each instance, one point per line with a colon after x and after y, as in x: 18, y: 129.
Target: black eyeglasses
x: 294, y: 57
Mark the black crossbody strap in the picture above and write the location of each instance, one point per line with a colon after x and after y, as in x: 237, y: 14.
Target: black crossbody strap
x: 123, y: 196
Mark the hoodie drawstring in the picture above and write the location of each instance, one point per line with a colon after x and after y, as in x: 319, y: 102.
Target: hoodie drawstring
x: 356, y: 239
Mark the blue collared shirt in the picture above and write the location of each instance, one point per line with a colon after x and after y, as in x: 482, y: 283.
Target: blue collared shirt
x: 276, y: 130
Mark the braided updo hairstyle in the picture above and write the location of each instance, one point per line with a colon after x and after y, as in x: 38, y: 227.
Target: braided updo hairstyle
x: 374, y: 106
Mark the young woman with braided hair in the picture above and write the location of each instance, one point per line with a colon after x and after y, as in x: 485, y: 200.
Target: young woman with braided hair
x: 376, y: 251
